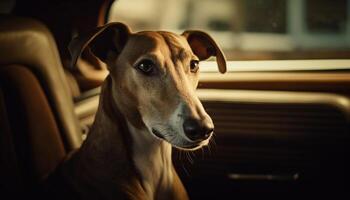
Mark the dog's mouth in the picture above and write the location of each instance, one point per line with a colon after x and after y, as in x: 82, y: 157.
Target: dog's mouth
x: 157, y: 134
x: 193, y: 146
x: 187, y: 146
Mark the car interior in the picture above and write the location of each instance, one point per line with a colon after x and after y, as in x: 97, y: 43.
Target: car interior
x: 281, y: 112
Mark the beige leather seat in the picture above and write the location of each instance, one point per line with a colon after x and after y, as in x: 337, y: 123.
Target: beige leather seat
x: 37, y: 122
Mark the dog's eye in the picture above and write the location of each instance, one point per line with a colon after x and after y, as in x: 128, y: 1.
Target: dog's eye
x: 194, y: 65
x: 146, y: 66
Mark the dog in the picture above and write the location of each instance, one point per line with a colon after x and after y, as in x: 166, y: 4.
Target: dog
x: 147, y: 106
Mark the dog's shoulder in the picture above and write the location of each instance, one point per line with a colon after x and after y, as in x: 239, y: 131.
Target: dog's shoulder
x: 57, y: 185
x: 62, y: 183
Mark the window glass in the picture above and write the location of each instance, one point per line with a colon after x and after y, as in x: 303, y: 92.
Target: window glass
x: 326, y: 16
x: 250, y: 29
x: 273, y: 13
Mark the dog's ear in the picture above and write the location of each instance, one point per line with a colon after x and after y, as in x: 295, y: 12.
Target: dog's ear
x: 203, y: 46
x: 102, y: 41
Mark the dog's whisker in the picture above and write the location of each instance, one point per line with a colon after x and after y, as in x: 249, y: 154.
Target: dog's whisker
x: 193, y: 154
x: 187, y: 157
x: 185, y: 170
x: 190, y: 158
x: 180, y: 155
x: 213, y: 140
x: 202, y: 152
x: 213, y: 144
x: 209, y: 149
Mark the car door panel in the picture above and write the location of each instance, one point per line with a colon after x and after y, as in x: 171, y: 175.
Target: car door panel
x: 280, y: 133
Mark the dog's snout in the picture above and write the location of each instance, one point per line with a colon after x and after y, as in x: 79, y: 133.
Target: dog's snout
x: 197, y: 129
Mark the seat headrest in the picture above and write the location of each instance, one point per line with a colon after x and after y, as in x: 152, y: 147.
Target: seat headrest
x: 28, y: 42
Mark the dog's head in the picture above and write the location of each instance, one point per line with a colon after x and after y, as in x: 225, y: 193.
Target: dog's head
x: 154, y: 76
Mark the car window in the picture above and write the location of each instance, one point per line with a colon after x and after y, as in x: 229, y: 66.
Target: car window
x: 250, y: 29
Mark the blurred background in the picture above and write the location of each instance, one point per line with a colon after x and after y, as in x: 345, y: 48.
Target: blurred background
x: 250, y: 29
x: 245, y: 29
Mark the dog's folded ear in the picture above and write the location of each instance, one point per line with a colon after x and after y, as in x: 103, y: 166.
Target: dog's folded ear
x: 110, y: 38
x: 203, y: 46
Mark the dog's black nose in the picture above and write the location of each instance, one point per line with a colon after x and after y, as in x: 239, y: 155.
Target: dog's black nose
x: 197, y: 129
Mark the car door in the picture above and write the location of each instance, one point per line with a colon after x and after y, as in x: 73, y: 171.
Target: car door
x: 278, y: 133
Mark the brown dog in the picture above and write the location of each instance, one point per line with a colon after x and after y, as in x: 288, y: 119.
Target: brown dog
x: 147, y: 105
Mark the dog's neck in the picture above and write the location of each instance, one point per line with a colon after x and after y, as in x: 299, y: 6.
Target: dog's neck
x: 152, y: 159
x: 115, y: 148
